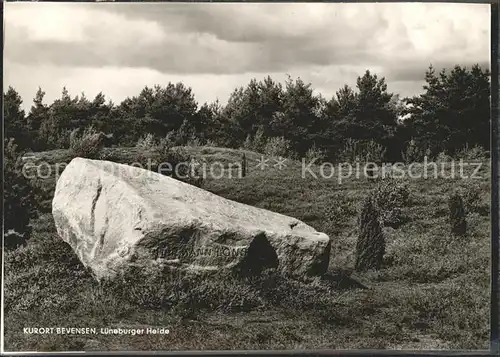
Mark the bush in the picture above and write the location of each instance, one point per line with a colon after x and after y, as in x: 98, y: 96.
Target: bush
x: 370, y: 247
x: 477, y: 153
x: 315, y: 153
x: 413, y: 152
x: 184, y: 133
x: 277, y: 147
x: 87, y: 145
x: 51, y: 136
x: 171, y: 161
x: 443, y: 157
x: 259, y: 140
x: 349, y: 151
x: 373, y: 152
x: 457, y: 215
x: 194, y: 141
x: 390, y: 197
x: 248, y: 144
x: 19, y: 201
x: 364, y: 151
x: 146, y: 142
x: 211, y: 143
x: 171, y: 139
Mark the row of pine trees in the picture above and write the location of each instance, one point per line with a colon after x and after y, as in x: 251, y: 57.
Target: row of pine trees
x: 451, y: 113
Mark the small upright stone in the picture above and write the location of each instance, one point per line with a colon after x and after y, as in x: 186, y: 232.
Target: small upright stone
x: 243, y: 165
x: 370, y: 247
x: 457, y: 215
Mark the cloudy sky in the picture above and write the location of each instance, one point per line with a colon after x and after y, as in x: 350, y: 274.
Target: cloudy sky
x: 214, y: 48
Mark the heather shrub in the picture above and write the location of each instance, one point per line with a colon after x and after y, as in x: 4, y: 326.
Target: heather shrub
x: 457, y: 215
x: 182, y: 291
x: 87, y: 145
x: 370, y: 246
x: 338, y: 213
x: 277, y: 147
x: 186, y: 294
x: 390, y: 197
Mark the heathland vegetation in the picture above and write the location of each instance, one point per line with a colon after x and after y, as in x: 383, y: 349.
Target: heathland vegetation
x: 409, y: 265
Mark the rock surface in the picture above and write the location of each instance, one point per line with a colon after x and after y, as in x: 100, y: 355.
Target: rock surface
x: 115, y: 216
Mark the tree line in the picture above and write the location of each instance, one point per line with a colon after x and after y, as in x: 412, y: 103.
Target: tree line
x: 451, y: 114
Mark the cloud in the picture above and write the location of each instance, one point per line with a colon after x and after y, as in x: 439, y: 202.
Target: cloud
x: 234, y: 38
x: 329, y: 43
x: 77, y: 23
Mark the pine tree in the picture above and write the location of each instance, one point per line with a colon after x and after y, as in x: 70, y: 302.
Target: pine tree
x: 453, y: 112
x: 37, y: 115
x: 15, y: 123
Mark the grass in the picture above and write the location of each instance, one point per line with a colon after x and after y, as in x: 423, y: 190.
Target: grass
x: 432, y: 293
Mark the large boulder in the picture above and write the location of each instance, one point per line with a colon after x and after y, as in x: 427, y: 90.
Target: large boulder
x: 116, y: 216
